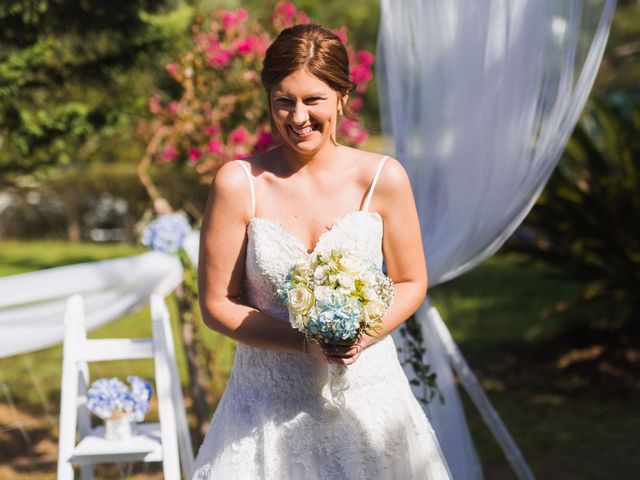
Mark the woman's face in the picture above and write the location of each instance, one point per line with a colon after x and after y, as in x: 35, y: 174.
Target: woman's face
x: 305, y: 111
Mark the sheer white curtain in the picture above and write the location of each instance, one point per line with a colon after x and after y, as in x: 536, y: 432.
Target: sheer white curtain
x: 32, y: 304
x: 480, y: 97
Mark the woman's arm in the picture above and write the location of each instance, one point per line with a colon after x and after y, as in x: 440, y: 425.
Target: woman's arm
x: 403, y: 254
x: 221, y: 269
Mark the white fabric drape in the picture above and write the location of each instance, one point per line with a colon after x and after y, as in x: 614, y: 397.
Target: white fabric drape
x: 32, y: 304
x: 480, y: 97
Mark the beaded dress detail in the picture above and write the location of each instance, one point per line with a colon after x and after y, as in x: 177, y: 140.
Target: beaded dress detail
x: 276, y: 420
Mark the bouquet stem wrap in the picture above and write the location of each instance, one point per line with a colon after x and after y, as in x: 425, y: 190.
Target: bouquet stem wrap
x: 338, y: 384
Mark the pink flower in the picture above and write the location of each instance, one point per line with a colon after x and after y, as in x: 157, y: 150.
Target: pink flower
x: 263, y: 43
x: 355, y: 103
x: 265, y: 140
x: 169, y: 153
x: 244, y: 46
x: 352, y: 132
x: 287, y: 9
x: 213, y: 44
x: 172, y: 68
x: 228, y: 20
x: 220, y: 59
x: 211, y: 130
x: 194, y: 155
x: 303, y: 18
x: 215, y: 146
x: 360, y: 74
x: 173, y: 107
x: 248, y: 44
x: 155, y: 106
x: 283, y: 13
x: 365, y: 58
x: 341, y: 33
x: 239, y: 135
x: 231, y: 19
x: 242, y: 15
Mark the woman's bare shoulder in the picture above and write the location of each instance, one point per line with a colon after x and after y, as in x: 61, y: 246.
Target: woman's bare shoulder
x: 393, y: 181
x: 393, y: 173
x: 229, y: 178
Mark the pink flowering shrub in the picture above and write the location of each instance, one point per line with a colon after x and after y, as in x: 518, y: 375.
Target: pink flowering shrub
x: 222, y: 113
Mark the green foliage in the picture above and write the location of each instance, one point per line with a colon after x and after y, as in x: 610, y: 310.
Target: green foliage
x: 620, y: 69
x: 71, y: 77
x: 586, y: 221
x: 412, y: 354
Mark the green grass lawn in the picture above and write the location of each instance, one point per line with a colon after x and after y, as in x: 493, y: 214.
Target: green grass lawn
x: 566, y: 427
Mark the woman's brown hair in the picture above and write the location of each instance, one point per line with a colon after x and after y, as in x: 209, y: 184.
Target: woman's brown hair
x: 313, y: 48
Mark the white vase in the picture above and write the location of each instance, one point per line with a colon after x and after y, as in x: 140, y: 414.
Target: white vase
x: 119, y: 428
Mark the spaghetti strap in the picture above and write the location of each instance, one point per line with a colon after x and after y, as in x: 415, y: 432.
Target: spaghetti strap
x: 251, y: 187
x: 373, y: 183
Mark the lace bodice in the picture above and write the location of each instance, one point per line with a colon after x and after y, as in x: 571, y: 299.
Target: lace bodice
x: 272, y: 251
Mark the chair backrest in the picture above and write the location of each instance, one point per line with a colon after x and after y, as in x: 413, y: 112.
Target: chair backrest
x: 79, y: 351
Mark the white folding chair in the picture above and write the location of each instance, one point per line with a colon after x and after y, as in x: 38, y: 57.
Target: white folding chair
x: 152, y: 442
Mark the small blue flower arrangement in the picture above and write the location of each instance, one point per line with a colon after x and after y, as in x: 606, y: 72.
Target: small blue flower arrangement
x: 111, y: 398
x: 167, y: 233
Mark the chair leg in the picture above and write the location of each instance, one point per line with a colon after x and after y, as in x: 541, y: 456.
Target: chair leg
x: 166, y: 407
x: 86, y: 472
x: 69, y: 389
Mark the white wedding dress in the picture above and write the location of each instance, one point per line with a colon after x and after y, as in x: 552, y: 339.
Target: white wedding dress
x: 276, y: 419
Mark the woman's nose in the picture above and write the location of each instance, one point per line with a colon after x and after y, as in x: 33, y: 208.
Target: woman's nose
x: 299, y: 115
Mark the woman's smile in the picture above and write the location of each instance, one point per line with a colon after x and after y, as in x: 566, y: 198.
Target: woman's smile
x: 302, y: 132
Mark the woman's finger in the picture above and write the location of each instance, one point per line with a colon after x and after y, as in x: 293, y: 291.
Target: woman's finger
x: 342, y: 360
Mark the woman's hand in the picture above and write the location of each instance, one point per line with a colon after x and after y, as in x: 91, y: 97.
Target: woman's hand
x: 344, y: 353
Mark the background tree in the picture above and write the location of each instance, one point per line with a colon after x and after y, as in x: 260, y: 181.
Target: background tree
x: 73, y: 78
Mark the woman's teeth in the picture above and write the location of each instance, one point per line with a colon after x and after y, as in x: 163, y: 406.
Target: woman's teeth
x: 302, y: 131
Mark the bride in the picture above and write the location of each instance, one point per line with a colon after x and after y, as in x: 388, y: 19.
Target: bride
x: 276, y: 419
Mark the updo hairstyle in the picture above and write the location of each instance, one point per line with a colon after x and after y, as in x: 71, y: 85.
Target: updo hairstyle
x: 311, y: 47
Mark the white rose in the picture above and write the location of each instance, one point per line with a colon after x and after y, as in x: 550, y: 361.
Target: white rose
x: 369, y: 278
x: 323, y: 294
x: 320, y: 273
x: 324, y: 256
x: 304, y: 269
x: 370, y: 294
x: 375, y: 310
x: 350, y: 265
x: 344, y: 292
x: 346, y: 280
x: 300, y: 300
x: 297, y: 321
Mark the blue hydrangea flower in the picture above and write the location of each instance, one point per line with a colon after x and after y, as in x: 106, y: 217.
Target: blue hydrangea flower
x: 139, y: 397
x: 167, y: 233
x: 107, y: 395
x: 283, y: 290
x: 337, y: 321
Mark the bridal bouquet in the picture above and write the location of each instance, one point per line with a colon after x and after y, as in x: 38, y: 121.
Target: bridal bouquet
x: 335, y: 297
